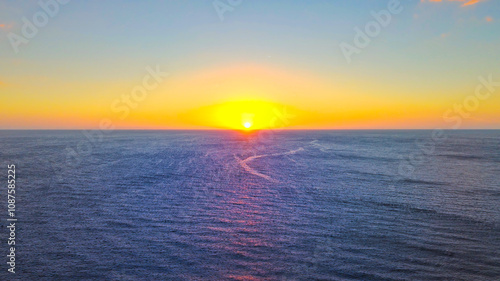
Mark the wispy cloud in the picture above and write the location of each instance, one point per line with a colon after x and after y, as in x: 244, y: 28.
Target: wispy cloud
x: 472, y: 2
x: 465, y: 2
x: 5, y: 26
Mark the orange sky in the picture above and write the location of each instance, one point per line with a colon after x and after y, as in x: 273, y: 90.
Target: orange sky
x: 421, y: 71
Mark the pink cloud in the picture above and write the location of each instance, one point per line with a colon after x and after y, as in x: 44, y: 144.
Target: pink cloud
x: 465, y: 2
x: 5, y: 26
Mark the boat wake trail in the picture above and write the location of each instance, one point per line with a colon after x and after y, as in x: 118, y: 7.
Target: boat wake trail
x: 243, y: 163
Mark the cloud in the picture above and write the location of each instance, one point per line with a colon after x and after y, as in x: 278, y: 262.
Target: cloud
x: 465, y: 2
x: 489, y: 19
x: 5, y: 26
x: 471, y: 2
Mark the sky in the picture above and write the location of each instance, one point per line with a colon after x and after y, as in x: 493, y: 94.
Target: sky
x: 220, y: 64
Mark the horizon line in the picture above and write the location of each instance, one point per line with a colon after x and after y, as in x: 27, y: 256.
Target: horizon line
x: 244, y: 131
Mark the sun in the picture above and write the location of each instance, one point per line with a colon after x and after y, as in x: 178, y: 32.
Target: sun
x: 247, y: 125
x: 247, y: 116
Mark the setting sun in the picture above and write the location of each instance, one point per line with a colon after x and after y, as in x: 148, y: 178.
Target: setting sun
x: 247, y: 125
x: 243, y: 115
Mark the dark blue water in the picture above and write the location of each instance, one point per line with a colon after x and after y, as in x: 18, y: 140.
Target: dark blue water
x: 305, y: 205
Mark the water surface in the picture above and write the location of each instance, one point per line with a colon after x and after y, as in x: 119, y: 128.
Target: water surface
x: 215, y: 205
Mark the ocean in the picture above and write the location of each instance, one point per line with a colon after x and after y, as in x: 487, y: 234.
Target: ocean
x: 269, y: 205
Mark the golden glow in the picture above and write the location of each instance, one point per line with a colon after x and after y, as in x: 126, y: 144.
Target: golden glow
x: 242, y: 115
x: 229, y: 97
x: 252, y: 114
